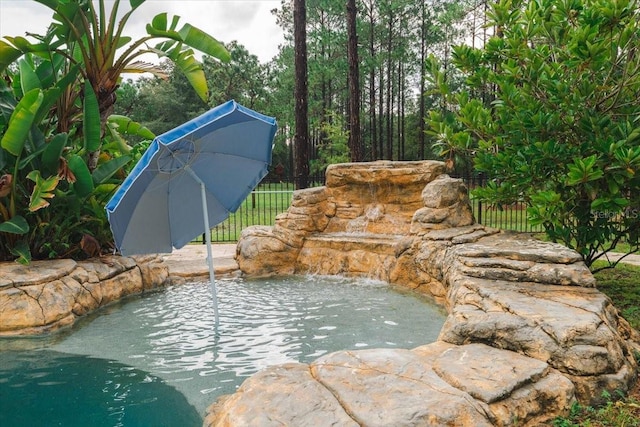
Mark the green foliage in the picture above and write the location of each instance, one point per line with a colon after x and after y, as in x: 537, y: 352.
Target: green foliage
x: 52, y: 198
x: 16, y: 225
x: 614, y: 413
x: 549, y: 112
x: 63, y: 151
x: 334, y: 147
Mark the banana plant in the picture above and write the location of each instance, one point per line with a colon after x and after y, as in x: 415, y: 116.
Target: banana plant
x: 44, y: 181
x: 91, y: 38
x: 62, y: 152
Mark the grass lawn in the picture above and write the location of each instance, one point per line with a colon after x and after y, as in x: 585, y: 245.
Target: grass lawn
x: 622, y: 285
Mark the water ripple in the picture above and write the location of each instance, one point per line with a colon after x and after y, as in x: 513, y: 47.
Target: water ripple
x: 171, y: 334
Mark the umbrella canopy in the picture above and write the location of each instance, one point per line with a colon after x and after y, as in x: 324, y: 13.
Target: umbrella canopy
x: 158, y: 206
x: 190, y: 177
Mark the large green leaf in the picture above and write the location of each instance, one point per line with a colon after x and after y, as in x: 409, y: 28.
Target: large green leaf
x: 8, y: 55
x: 42, y: 190
x: 51, y: 96
x: 28, y: 77
x: 189, y: 35
x: 16, y: 225
x: 21, y: 121
x: 91, y: 119
x: 25, y: 46
x: 84, y: 181
x: 130, y: 127
x: 107, y: 169
x: 198, y: 39
x: 21, y: 250
x: 53, y: 151
x: 192, y: 70
x: 47, y: 70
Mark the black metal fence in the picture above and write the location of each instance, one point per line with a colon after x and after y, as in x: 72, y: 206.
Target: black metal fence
x: 271, y: 198
x: 511, y: 217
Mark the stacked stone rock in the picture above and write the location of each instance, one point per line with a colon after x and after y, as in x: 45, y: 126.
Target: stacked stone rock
x: 527, y: 332
x: 45, y: 296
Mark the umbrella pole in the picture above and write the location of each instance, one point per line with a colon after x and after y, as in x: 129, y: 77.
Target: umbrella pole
x: 207, y: 233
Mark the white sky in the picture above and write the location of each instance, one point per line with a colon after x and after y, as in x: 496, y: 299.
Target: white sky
x: 249, y: 22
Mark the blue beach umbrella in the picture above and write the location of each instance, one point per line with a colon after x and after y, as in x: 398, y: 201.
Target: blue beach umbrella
x: 190, y: 179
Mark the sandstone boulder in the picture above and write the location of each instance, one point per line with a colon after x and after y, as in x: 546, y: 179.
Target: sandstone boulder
x: 446, y: 205
x: 287, y: 395
x: 260, y: 252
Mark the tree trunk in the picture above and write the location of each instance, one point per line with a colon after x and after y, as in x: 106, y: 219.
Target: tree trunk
x: 301, y: 138
x: 421, y: 97
x: 372, y: 88
x: 355, y: 138
x: 389, y: 94
x: 381, y: 112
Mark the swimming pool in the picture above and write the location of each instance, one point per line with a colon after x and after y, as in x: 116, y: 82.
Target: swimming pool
x: 160, y: 350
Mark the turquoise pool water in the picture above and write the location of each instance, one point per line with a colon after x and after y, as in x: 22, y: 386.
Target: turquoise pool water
x: 132, y: 361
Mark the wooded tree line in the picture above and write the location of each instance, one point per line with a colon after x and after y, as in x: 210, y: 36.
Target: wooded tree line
x: 393, y: 39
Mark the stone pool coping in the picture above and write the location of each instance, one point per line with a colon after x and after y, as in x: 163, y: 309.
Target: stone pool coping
x: 48, y: 295
x: 523, y: 340
x: 190, y: 262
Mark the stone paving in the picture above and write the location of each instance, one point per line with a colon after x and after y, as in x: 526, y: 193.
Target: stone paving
x: 190, y: 262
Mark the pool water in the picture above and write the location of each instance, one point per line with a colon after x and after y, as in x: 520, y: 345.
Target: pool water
x: 137, y: 358
x: 49, y: 388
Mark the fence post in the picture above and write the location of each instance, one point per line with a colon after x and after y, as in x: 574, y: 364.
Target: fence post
x: 481, y: 184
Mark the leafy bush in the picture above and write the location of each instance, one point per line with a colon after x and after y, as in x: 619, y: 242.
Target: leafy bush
x: 549, y: 112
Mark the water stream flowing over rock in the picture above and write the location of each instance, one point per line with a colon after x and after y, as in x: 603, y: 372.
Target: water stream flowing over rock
x: 527, y: 333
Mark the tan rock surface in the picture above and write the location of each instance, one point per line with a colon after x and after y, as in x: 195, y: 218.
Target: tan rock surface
x: 433, y: 385
x: 48, y: 295
x: 393, y: 387
x: 288, y: 396
x: 380, y: 198
x: 445, y: 205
